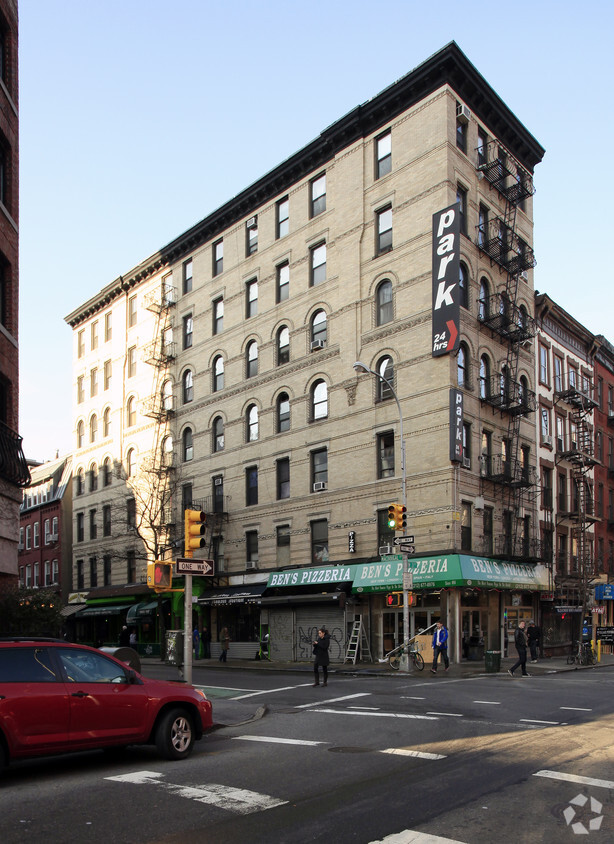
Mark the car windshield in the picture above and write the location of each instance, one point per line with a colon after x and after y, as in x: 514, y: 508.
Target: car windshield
x: 88, y: 667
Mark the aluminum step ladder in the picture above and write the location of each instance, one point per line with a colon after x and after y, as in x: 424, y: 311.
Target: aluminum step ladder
x: 358, y: 639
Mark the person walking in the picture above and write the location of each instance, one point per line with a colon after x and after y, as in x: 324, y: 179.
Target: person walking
x: 124, y: 637
x: 196, y: 642
x: 533, y: 637
x: 520, y: 640
x: 206, y: 640
x: 321, y: 657
x: 440, y: 646
x: 225, y: 643
x: 133, y: 638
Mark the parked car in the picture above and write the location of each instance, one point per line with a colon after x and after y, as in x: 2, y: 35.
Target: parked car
x: 58, y: 697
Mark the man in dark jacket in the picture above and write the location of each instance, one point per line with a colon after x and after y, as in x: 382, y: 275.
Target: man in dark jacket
x: 520, y: 640
x: 533, y: 635
x: 320, y: 656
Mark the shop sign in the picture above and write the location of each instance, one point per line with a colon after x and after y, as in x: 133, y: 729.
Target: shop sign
x: 604, y: 592
x: 446, y: 293
x: 311, y: 577
x: 606, y: 634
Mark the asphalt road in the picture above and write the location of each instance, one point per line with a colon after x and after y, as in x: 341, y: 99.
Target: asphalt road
x: 418, y: 759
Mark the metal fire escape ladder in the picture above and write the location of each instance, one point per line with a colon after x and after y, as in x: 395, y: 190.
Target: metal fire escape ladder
x: 499, y: 240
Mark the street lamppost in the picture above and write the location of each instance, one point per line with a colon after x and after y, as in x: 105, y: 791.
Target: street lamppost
x: 363, y: 368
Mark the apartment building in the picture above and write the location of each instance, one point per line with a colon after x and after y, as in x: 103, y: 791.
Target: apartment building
x: 401, y: 238
x: 566, y: 445
x: 14, y: 472
x: 604, y: 478
x: 45, y: 529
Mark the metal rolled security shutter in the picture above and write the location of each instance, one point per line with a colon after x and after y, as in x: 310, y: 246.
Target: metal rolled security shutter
x: 309, y: 619
x: 281, y: 634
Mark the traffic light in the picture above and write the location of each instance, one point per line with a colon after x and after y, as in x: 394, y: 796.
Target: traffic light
x: 397, y: 517
x: 194, y: 537
x: 159, y: 575
x: 394, y: 599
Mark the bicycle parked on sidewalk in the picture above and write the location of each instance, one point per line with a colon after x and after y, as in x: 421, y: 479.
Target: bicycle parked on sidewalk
x: 582, y: 654
x: 393, y: 657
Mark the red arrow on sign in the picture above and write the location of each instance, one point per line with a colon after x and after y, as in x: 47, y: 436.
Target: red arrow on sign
x: 453, y: 333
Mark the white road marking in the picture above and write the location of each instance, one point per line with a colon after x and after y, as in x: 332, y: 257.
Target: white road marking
x: 402, y: 751
x: 373, y: 714
x: 373, y: 708
x: 221, y: 688
x: 237, y: 800
x: 332, y: 700
x: 411, y: 697
x: 410, y: 836
x: 448, y: 714
x: 557, y: 775
x: 271, y: 691
x: 576, y: 708
x: 537, y: 721
x: 276, y: 740
x: 489, y: 702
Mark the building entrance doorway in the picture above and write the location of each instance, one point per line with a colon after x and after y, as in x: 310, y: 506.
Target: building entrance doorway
x: 475, y: 632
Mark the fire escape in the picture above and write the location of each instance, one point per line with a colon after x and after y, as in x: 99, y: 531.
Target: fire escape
x: 160, y: 406
x: 511, y: 473
x: 575, y: 572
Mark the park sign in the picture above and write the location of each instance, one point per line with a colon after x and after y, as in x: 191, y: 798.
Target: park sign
x: 446, y: 289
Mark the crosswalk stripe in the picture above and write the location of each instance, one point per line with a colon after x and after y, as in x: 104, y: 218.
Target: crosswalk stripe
x: 557, y: 775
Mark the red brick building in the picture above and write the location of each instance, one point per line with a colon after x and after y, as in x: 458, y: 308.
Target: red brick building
x: 14, y: 472
x: 604, y: 470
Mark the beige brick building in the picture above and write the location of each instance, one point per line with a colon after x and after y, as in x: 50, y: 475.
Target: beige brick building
x: 294, y: 456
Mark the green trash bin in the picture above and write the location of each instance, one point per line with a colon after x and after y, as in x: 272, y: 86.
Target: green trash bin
x: 492, y: 662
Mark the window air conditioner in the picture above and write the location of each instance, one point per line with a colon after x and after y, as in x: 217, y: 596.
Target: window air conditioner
x: 218, y: 482
x: 251, y: 565
x: 462, y: 113
x: 467, y: 462
x: 317, y: 344
x: 251, y: 222
x: 319, y: 486
x: 524, y: 276
x: 52, y: 537
x: 520, y: 513
x: 547, y: 439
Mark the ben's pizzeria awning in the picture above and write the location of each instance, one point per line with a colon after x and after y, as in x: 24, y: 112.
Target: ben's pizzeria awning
x: 450, y: 570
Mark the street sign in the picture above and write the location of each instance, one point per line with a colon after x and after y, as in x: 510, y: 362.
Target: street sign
x: 199, y: 567
x: 404, y: 540
x: 408, y: 549
x: 408, y: 580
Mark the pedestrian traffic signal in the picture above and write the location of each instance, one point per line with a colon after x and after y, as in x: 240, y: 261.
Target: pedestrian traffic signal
x: 397, y: 517
x: 160, y: 575
x: 194, y: 536
x: 394, y: 599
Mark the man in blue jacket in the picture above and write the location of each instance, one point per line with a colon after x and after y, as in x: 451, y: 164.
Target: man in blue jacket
x: 440, y: 646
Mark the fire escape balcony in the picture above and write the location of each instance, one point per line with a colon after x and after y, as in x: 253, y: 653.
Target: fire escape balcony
x: 13, y: 465
x: 508, y: 472
x: 507, y: 319
x: 159, y: 353
x: 159, y: 407
x: 504, y: 172
x: 518, y: 548
x: 161, y: 300
x: 510, y: 396
x: 503, y: 246
x: 580, y: 399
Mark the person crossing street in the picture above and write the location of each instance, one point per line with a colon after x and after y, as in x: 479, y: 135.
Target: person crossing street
x: 440, y: 646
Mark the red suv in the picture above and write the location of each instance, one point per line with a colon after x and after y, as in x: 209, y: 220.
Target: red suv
x: 56, y: 697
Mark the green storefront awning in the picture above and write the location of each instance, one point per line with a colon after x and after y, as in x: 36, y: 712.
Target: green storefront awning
x: 141, y: 612
x: 450, y: 570
x: 88, y: 612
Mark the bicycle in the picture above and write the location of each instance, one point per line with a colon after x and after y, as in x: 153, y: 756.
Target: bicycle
x: 394, y: 657
x: 583, y: 655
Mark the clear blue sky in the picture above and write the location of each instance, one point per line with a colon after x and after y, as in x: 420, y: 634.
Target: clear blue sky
x: 140, y: 117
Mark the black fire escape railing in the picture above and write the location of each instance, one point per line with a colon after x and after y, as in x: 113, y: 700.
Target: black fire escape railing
x: 505, y: 174
x: 13, y: 465
x: 503, y: 246
x: 507, y: 395
x: 506, y: 319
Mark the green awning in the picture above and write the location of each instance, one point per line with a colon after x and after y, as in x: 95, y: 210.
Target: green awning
x: 88, y: 612
x: 141, y: 612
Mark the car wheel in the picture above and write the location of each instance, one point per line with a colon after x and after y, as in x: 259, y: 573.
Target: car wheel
x: 175, y: 734
x: 3, y: 757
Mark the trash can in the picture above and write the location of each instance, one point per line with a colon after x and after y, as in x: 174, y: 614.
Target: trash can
x: 492, y: 662
x: 173, y: 652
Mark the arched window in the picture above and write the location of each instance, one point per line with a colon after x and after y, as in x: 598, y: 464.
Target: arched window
x: 188, y: 386
x: 283, y: 345
x: 522, y: 318
x: 188, y: 445
x: 319, y: 401
x: 483, y: 312
x: 318, y: 327
x: 462, y: 366
x: 218, y: 374
x: 218, y: 434
x: 131, y: 412
x: 251, y: 359
x: 79, y: 482
x: 93, y: 428
x: 385, y: 370
x: 107, y: 472
x: 252, y: 423
x: 504, y: 385
x: 93, y: 473
x: 484, y: 377
x: 167, y: 395
x: 167, y: 452
x: 384, y: 303
x: 463, y: 285
x: 283, y: 413
x: 106, y: 422
x: 80, y: 434
x: 523, y: 392
x: 131, y: 463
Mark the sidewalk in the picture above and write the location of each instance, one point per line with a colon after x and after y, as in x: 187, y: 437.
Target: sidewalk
x: 467, y: 668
